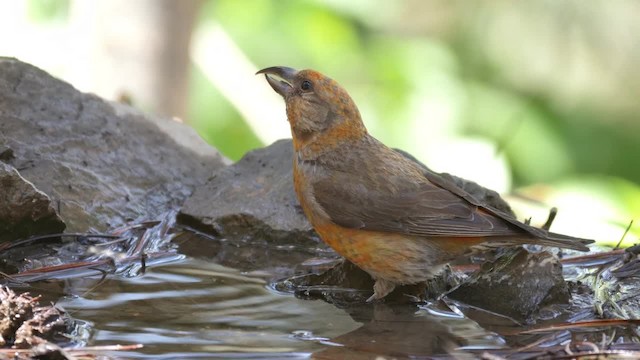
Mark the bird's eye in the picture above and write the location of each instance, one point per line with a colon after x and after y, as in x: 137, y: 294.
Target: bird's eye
x: 306, y: 85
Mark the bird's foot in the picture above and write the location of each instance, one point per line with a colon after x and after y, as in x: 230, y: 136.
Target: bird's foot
x: 381, y: 289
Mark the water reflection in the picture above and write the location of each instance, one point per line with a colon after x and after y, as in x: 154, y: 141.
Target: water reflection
x: 203, y: 297
x: 404, y: 331
x: 213, y: 299
x: 196, y: 308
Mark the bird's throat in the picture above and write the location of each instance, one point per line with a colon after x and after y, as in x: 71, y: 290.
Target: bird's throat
x: 302, y: 136
x: 313, y: 143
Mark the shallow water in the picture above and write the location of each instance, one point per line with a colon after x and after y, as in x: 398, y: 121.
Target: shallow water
x: 204, y: 298
x: 197, y: 309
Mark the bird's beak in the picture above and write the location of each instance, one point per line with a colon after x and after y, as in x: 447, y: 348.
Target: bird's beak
x: 286, y: 75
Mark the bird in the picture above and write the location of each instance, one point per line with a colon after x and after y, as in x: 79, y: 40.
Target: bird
x: 375, y: 207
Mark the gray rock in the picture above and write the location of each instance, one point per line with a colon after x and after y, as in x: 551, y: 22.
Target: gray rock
x: 527, y: 280
x: 101, y: 163
x: 24, y: 210
x: 253, y: 197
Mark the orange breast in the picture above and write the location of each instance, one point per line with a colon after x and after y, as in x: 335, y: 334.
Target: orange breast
x: 396, y: 257
x: 353, y: 244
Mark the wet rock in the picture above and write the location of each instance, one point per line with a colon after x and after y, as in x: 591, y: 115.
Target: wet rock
x: 6, y: 154
x: 345, y: 284
x: 251, y: 254
x: 342, y: 284
x: 101, y: 163
x: 516, y: 284
x: 24, y: 210
x: 253, y: 197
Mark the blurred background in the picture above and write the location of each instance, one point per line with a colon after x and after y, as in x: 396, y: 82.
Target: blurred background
x: 538, y: 99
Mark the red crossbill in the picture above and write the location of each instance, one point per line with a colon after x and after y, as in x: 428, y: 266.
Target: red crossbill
x: 377, y: 208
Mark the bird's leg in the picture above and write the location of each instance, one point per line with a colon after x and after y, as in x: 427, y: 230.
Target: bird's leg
x: 381, y: 289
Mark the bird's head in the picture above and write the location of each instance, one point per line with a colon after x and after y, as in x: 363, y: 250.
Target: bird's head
x: 317, y: 106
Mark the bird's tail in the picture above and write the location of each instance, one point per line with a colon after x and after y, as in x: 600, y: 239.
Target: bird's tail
x: 565, y: 241
x: 545, y: 238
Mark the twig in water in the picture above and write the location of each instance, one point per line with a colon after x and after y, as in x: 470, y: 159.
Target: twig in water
x: 624, y: 234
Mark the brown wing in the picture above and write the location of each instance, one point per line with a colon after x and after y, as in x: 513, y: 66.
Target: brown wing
x: 424, y: 209
x: 431, y: 207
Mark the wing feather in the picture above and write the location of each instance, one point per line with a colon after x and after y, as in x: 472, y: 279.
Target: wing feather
x: 424, y: 210
x: 430, y: 207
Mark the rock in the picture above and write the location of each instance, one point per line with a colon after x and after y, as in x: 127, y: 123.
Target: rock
x: 251, y: 254
x: 517, y: 284
x: 24, y: 210
x: 345, y: 284
x: 253, y: 197
x: 101, y: 163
